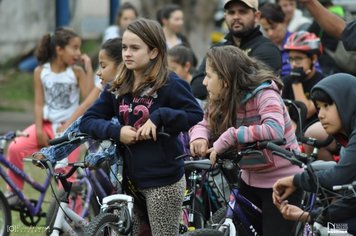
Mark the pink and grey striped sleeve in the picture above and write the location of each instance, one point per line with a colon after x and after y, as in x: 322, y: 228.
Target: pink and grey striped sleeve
x: 265, y: 116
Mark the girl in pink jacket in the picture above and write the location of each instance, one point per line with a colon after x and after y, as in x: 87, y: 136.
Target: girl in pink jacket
x: 245, y: 106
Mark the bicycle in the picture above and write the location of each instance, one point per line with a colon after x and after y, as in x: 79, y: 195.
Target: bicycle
x: 116, y: 211
x: 201, y: 199
x: 323, y: 197
x: 309, y: 163
x: 65, y: 215
x: 242, y: 216
x: 89, y: 187
x: 30, y: 210
x: 243, y: 213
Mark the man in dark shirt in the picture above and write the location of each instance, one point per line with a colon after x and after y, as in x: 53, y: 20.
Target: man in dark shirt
x: 242, y: 17
x: 332, y: 24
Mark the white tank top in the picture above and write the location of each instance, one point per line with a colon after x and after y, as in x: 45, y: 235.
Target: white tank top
x: 61, y: 94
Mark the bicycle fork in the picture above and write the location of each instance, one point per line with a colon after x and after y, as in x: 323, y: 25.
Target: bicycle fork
x: 62, y: 226
x: 123, y: 203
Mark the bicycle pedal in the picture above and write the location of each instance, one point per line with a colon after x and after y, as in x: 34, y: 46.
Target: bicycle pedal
x: 16, y: 208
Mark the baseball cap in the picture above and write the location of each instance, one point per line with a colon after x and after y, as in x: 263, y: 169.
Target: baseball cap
x: 251, y: 3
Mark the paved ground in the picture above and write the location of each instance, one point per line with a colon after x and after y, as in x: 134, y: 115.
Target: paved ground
x: 15, y: 121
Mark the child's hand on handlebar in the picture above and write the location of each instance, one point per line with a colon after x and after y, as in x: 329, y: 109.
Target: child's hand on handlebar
x: 212, y: 156
x: 199, y: 147
x: 282, y: 189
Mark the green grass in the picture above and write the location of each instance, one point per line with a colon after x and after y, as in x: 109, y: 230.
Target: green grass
x: 16, y: 91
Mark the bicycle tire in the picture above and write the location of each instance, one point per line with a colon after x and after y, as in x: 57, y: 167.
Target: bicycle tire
x: 205, y: 232
x: 219, y: 215
x: 94, y: 208
x: 5, y: 216
x: 99, y: 224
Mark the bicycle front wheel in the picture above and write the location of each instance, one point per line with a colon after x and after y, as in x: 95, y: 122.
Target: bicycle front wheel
x: 77, y: 202
x: 5, y: 216
x: 104, y: 224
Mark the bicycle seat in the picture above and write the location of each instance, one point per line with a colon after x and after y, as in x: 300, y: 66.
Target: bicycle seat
x: 322, y: 165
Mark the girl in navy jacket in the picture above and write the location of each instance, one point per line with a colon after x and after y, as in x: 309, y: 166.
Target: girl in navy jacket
x: 146, y: 98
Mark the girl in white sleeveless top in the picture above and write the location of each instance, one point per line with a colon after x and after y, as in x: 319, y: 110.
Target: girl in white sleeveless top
x: 58, y: 83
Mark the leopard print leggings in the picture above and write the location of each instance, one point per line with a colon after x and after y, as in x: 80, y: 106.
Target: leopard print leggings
x: 164, y: 210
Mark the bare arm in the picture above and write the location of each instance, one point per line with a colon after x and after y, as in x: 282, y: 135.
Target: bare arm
x: 93, y: 95
x: 85, y: 76
x: 42, y: 138
x: 328, y: 21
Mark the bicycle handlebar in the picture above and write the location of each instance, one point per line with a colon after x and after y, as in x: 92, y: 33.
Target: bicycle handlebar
x: 289, y: 155
x: 48, y: 165
x: 70, y: 137
x: 345, y: 186
x: 317, y: 143
x: 13, y: 134
x: 263, y: 144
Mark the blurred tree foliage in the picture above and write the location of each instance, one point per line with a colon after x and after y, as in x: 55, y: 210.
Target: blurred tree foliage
x: 198, y: 17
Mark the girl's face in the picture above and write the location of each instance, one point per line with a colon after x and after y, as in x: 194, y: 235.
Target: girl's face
x: 175, y: 21
x: 70, y: 54
x: 135, y: 52
x: 329, y: 117
x: 274, y: 31
x: 299, y: 59
x: 288, y: 7
x: 214, y: 85
x: 126, y: 18
x: 107, y: 68
x: 181, y: 70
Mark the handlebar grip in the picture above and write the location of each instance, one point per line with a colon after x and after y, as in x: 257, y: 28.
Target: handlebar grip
x: 324, y: 143
x: 345, y: 186
x: 59, y: 140
x: 317, y: 143
x: 276, y: 148
x: 163, y: 134
x: 71, y: 137
x: 263, y: 144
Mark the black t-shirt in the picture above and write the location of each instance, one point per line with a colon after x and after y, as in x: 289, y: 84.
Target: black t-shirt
x: 307, y: 86
x: 348, y: 36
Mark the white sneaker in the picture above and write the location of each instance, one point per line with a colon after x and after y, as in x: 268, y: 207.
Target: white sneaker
x: 229, y: 226
x: 61, y: 164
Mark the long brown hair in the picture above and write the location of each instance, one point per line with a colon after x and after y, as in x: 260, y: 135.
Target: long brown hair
x: 156, y: 73
x: 241, y: 75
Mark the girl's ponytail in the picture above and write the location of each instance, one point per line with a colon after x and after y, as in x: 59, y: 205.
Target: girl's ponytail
x: 44, y: 49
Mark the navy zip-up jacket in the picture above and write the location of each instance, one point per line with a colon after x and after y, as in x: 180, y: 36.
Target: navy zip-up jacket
x: 148, y: 163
